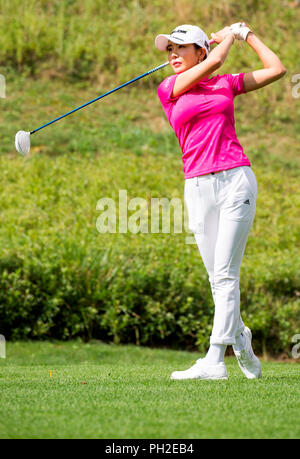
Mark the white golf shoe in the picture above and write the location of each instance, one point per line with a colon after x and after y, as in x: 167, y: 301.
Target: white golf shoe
x: 202, y: 370
x: 248, y: 362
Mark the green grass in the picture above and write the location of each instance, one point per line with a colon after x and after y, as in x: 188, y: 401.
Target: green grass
x: 61, y: 278
x: 128, y: 394
x: 108, y: 40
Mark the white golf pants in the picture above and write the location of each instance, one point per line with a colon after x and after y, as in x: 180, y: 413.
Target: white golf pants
x: 221, y: 209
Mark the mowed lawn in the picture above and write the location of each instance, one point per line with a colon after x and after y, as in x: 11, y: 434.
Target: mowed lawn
x: 107, y: 391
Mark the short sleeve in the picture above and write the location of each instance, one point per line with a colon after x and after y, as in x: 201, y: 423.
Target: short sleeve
x: 165, y: 90
x: 236, y: 81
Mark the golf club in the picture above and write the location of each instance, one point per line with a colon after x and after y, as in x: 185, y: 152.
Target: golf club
x: 22, y: 138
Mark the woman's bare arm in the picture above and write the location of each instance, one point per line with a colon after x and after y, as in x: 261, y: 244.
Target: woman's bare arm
x: 273, y: 68
x: 215, y: 59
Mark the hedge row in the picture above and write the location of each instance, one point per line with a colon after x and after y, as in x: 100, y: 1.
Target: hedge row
x: 154, y: 302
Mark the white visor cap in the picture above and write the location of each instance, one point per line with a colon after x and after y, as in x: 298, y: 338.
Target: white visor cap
x: 184, y: 34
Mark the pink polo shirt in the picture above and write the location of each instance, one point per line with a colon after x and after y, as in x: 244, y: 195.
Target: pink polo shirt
x: 203, y: 121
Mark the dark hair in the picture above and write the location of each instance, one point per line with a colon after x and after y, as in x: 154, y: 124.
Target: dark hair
x: 199, y: 47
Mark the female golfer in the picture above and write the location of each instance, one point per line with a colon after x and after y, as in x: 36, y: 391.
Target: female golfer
x: 220, y: 187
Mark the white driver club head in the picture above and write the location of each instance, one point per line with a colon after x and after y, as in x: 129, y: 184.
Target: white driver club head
x: 22, y: 142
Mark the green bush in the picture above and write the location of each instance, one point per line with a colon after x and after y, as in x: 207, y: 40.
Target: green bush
x: 152, y: 302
